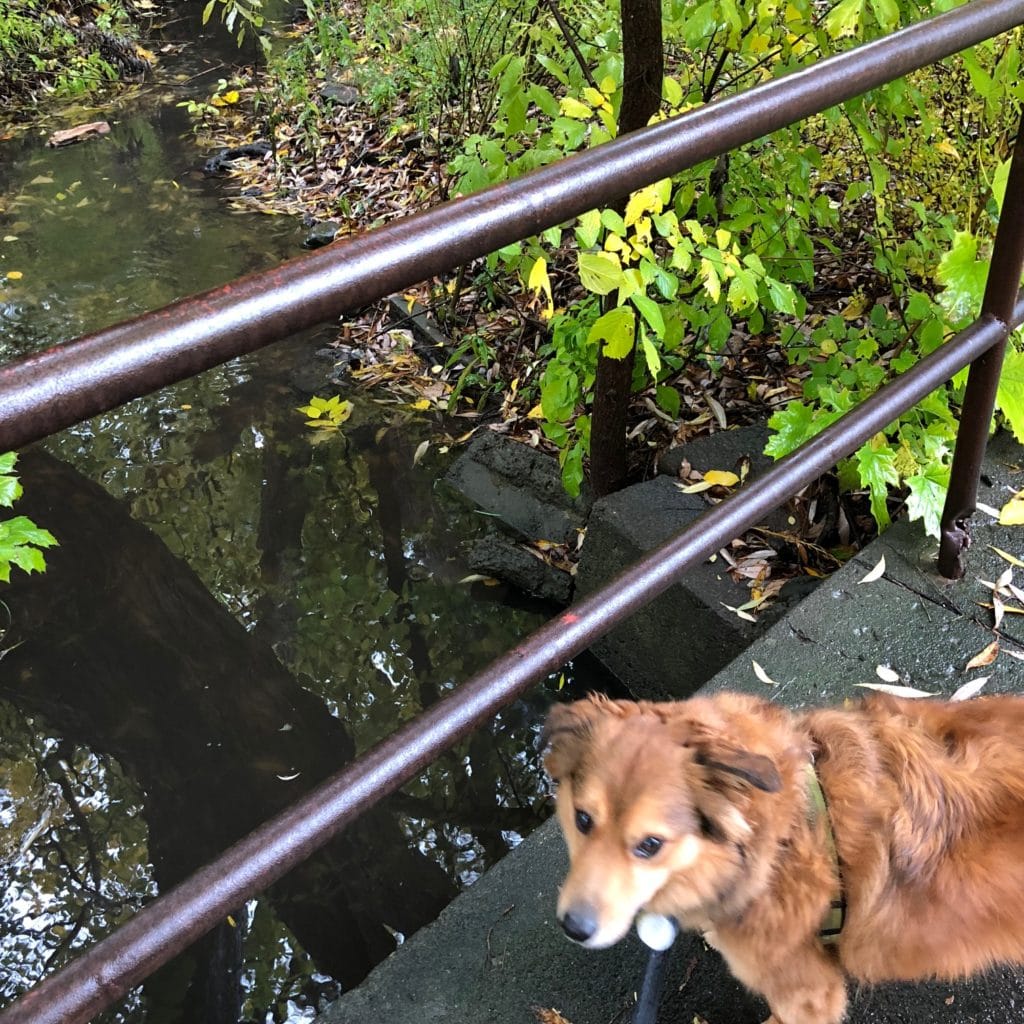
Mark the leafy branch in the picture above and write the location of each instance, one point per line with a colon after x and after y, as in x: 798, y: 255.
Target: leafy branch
x: 21, y: 540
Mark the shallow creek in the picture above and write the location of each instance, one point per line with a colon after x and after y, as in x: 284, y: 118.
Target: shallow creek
x: 233, y: 612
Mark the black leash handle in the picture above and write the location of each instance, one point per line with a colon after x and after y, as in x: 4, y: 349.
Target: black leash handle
x: 646, y: 1011
x: 660, y: 940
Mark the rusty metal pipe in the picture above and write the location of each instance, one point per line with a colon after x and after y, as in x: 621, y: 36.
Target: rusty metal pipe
x: 1001, y: 288
x: 55, y: 388
x: 109, y: 969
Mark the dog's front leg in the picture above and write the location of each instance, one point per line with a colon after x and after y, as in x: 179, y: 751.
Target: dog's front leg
x: 807, y: 989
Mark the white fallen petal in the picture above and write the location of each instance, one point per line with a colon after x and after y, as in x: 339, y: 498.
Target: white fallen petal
x: 896, y: 691
x: 288, y: 778
x: 739, y: 612
x: 875, y: 573
x: 987, y: 509
x: 887, y: 674
x: 762, y: 675
x: 968, y: 690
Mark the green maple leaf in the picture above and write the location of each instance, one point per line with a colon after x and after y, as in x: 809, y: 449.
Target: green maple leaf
x: 876, y: 466
x: 1010, y: 396
x: 927, y: 496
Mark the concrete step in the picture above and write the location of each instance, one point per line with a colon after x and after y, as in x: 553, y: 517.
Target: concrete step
x: 496, y: 954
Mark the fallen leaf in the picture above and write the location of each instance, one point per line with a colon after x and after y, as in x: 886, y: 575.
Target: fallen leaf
x: 762, y: 675
x: 984, y: 657
x: 421, y: 450
x: 736, y: 611
x: 875, y: 573
x: 886, y: 674
x: 14, y: 275
x: 998, y: 609
x: 82, y: 131
x: 288, y: 778
x: 896, y: 691
x: 721, y: 477
x: 701, y: 485
x: 1007, y: 556
x: 548, y: 1016
x: 1012, y: 513
x: 968, y: 690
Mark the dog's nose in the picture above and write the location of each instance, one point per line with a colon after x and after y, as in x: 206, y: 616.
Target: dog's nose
x: 579, y: 924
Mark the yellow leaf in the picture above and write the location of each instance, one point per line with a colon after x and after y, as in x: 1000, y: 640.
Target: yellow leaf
x: 1012, y: 513
x: 573, y: 108
x: 231, y: 96
x: 721, y: 477
x: 947, y: 147
x: 1012, y: 559
x: 14, y: 275
x: 536, y: 413
x: 421, y: 404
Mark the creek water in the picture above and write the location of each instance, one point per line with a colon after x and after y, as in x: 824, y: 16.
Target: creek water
x: 235, y: 609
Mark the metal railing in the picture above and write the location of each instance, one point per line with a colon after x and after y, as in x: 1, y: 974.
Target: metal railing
x: 60, y: 386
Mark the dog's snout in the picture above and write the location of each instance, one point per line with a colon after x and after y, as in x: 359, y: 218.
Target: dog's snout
x: 579, y: 923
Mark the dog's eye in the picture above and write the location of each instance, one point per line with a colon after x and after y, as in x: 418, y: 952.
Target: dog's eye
x: 648, y: 847
x: 584, y: 822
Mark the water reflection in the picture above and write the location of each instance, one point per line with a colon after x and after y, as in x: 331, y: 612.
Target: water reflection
x: 233, y: 612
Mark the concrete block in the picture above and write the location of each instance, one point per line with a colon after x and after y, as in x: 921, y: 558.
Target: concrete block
x: 521, y: 486
x: 687, y: 634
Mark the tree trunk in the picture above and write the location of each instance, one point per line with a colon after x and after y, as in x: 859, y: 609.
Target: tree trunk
x: 643, y: 68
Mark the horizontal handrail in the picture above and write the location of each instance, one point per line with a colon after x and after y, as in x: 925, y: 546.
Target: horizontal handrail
x: 163, y: 928
x: 62, y: 385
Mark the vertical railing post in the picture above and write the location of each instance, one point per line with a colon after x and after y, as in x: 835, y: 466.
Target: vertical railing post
x: 1001, y: 290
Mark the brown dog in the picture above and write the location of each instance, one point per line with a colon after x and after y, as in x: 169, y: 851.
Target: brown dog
x: 707, y: 810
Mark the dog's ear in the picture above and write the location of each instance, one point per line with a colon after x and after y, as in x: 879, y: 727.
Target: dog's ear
x: 695, y: 726
x: 565, y: 735
x: 756, y: 769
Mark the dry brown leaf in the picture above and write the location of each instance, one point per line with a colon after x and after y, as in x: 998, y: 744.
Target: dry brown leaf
x: 984, y: 657
x: 548, y: 1016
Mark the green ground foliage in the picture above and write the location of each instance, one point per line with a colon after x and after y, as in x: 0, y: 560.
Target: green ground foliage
x: 63, y: 47
x: 846, y: 247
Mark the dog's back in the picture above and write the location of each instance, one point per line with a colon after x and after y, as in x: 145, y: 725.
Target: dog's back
x: 927, y: 803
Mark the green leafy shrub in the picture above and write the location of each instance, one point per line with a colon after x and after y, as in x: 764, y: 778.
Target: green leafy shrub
x: 21, y: 540
x: 739, y: 244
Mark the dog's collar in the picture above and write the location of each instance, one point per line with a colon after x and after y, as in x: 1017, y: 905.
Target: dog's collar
x: 818, y: 809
